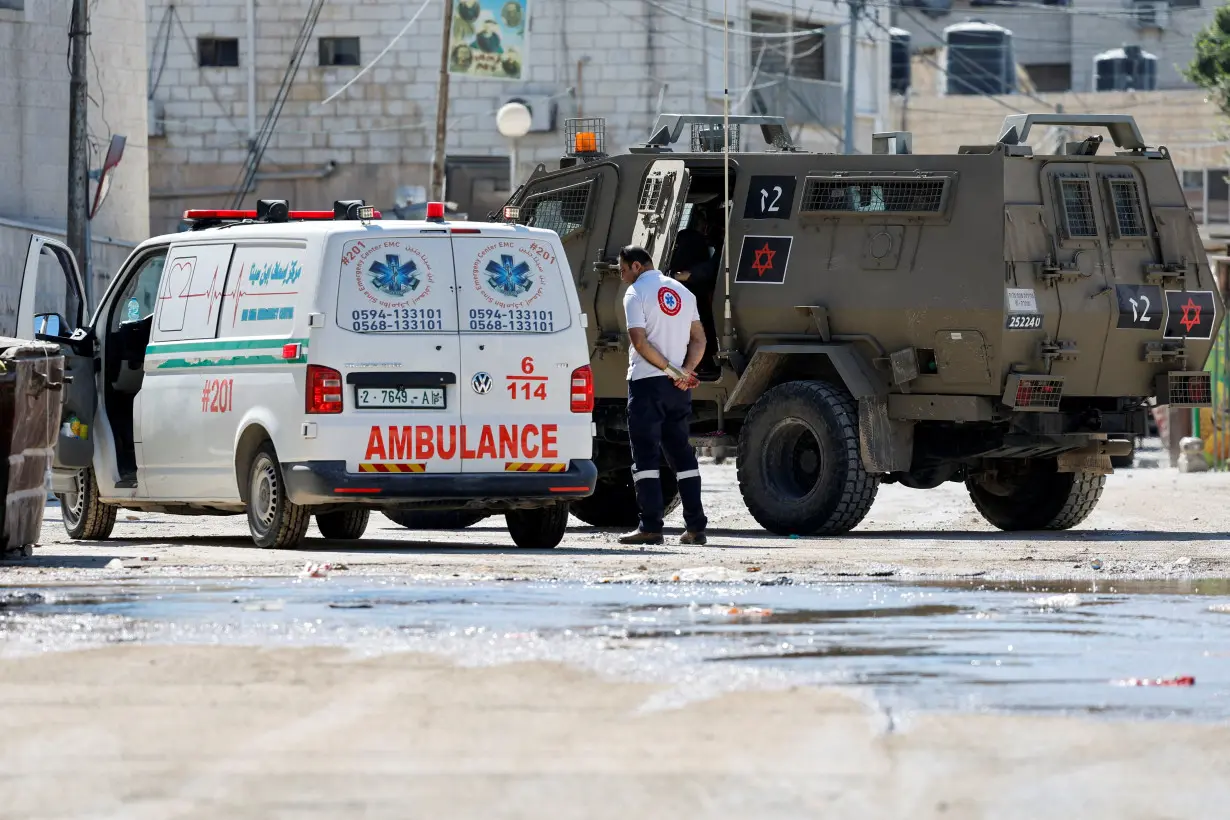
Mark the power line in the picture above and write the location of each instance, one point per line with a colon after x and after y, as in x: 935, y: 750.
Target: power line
x: 378, y: 57
x: 256, y: 152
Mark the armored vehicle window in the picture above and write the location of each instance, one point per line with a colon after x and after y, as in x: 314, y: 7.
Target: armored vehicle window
x: 1129, y: 219
x: 1077, y: 207
x: 873, y: 194
x: 651, y: 193
x: 562, y: 210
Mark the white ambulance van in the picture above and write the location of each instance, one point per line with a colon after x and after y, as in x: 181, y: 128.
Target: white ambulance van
x: 296, y: 364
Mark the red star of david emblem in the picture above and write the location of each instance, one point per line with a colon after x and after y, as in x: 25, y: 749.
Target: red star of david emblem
x: 764, y: 260
x: 1191, y: 315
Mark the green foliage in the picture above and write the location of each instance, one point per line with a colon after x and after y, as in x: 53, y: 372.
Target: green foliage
x: 1211, y: 68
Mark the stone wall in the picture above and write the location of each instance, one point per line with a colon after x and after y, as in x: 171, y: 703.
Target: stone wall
x: 1184, y: 121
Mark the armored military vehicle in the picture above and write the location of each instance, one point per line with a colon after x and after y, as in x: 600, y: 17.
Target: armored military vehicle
x: 993, y: 316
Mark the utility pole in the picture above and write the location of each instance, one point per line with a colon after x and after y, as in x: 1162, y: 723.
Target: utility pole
x: 856, y: 8
x: 437, y: 162
x: 78, y: 142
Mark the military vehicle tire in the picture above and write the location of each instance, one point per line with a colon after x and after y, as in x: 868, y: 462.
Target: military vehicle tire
x: 346, y: 525
x: 799, y: 467
x: 613, y: 503
x: 434, y: 519
x: 540, y: 529
x: 1042, y: 499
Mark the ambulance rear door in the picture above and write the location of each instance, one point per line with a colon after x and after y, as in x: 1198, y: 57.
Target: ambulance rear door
x: 522, y: 343
x: 397, y: 357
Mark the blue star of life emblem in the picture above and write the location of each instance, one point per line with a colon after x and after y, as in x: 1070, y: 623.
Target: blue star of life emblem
x: 394, y: 278
x: 508, y: 277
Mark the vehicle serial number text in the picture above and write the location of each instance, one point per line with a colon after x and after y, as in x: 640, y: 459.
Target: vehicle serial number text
x: 396, y: 320
x: 1024, y: 322
x: 514, y: 320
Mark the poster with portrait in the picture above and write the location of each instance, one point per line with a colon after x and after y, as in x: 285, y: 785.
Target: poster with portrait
x: 488, y: 39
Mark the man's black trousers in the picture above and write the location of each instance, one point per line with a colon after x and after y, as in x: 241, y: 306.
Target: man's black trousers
x: 658, y: 420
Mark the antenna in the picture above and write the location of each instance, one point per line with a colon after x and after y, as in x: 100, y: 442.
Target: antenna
x: 728, y: 325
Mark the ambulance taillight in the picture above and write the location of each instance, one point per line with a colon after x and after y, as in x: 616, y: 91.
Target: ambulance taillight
x: 324, y: 390
x: 583, y: 390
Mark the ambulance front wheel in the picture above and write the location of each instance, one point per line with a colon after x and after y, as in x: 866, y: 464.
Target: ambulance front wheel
x: 85, y: 516
x: 275, y: 521
x: 540, y: 529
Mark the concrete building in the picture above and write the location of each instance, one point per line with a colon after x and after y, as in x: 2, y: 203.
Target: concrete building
x: 1056, y: 43
x: 625, y: 60
x: 34, y: 99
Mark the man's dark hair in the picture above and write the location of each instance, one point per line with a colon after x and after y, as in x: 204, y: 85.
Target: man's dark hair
x: 635, y: 253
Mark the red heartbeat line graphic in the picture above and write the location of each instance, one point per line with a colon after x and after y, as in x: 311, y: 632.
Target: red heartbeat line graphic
x: 215, y: 295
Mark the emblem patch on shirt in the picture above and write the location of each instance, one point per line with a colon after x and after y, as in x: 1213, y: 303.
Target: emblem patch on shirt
x: 669, y: 301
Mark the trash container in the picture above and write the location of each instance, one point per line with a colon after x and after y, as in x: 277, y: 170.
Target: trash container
x: 31, y: 393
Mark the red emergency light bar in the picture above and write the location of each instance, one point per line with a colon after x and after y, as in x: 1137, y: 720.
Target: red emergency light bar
x: 194, y: 215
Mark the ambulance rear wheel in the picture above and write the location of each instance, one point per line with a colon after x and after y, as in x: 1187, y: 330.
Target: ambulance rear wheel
x: 1036, y: 496
x: 274, y: 520
x: 347, y: 525
x: 434, y: 519
x: 613, y: 503
x: 85, y: 517
x: 540, y: 529
x: 799, y: 466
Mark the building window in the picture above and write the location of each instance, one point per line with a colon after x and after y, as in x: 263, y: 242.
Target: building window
x: 339, y: 51
x: 15, y: 5
x: 1050, y: 76
x: 1218, y: 196
x: 1193, y: 192
x: 1185, y: 4
x: 217, y: 52
x: 797, y: 56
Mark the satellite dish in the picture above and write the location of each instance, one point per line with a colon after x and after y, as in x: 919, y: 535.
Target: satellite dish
x: 514, y: 120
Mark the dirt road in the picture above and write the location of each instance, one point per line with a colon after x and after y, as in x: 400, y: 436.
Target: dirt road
x: 158, y: 733
x: 1150, y: 523
x: 148, y: 731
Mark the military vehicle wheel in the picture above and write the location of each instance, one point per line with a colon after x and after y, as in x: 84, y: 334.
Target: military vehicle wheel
x: 1038, y: 497
x: 613, y: 503
x: 434, y: 519
x: 541, y: 529
x: 799, y: 466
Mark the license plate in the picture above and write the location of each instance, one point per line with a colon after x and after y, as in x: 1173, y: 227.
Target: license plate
x: 400, y: 398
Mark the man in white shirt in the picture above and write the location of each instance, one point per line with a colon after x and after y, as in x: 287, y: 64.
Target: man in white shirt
x: 667, y: 341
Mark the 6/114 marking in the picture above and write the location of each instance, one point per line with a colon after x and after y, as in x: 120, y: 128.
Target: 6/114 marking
x: 218, y: 396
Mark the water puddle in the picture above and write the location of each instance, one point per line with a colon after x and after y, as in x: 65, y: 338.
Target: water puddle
x: 1053, y: 647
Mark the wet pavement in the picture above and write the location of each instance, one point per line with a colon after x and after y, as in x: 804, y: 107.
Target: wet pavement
x: 1062, y: 647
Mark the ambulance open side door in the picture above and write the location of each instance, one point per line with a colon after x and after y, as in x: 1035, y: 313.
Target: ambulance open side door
x: 52, y: 309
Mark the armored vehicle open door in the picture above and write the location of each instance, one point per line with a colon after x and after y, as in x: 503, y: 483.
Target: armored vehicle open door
x: 659, y: 208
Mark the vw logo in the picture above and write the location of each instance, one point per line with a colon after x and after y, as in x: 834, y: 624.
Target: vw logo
x: 481, y: 383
